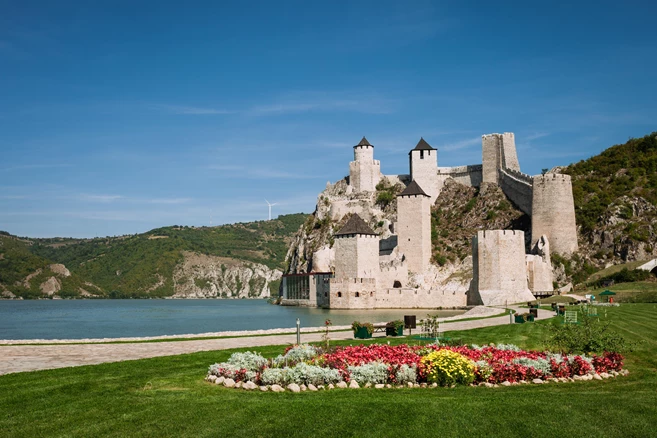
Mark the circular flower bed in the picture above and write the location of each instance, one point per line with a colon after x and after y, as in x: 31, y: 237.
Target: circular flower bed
x: 380, y: 365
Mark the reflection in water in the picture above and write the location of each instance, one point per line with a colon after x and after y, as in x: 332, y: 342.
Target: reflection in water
x: 76, y: 319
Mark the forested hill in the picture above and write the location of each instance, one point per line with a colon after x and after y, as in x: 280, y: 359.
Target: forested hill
x: 143, y: 265
x: 616, y: 204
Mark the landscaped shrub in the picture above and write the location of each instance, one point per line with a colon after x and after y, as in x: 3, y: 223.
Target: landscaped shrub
x: 373, y: 373
x: 275, y: 376
x: 247, y: 360
x: 406, y: 374
x: 311, y: 374
x: 295, y: 354
x: 591, y: 335
x: 448, y: 368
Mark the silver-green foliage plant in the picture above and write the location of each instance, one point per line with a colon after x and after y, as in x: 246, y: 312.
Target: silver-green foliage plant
x: 406, y: 374
x: 248, y: 361
x: 298, y: 353
x: 312, y: 374
x: 538, y: 364
x: 375, y: 372
x: 275, y: 376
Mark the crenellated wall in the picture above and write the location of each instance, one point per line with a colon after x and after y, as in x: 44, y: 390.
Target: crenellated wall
x: 364, y: 171
x: 353, y: 293
x: 517, y: 186
x: 400, y: 298
x: 467, y: 175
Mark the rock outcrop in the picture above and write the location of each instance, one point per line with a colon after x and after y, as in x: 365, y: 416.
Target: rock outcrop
x: 204, y: 276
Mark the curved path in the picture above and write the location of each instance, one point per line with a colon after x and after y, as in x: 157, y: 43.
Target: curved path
x: 19, y: 358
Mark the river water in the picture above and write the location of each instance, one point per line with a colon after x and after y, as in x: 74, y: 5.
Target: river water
x: 79, y: 319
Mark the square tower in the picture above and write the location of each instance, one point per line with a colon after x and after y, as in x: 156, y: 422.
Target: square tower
x: 414, y: 227
x: 356, y: 250
x: 424, y: 168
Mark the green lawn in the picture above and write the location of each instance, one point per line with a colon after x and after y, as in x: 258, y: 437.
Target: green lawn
x: 168, y: 397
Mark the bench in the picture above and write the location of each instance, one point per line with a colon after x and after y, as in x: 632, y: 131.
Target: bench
x: 381, y: 328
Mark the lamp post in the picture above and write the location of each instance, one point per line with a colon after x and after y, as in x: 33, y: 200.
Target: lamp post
x: 298, y: 332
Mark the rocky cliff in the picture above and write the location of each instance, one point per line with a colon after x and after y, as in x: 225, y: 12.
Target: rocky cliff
x: 204, y: 276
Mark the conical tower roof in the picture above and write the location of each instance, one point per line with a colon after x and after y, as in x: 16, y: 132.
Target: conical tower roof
x: 413, y: 189
x: 355, y: 225
x: 422, y: 145
x: 364, y: 142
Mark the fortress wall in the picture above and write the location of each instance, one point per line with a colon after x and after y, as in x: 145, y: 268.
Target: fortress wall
x: 539, y: 274
x: 414, y: 231
x: 407, y: 298
x: 470, y: 175
x: 341, y: 208
x: 517, y: 187
x: 353, y: 293
x: 364, y: 153
x: 553, y: 212
x: 364, y: 175
x: 499, y: 268
x: 397, y: 179
x: 388, y: 277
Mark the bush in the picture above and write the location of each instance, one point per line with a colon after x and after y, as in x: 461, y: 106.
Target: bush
x: 591, y: 335
x: 375, y: 372
x: 406, y: 374
x: 448, y: 368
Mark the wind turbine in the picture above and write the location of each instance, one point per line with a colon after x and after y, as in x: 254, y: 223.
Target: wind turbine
x: 270, y: 206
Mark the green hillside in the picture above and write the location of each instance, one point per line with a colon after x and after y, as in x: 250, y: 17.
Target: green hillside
x: 128, y: 266
x: 22, y: 272
x: 628, y: 169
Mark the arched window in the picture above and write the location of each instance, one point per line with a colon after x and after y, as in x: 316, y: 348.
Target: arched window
x: 339, y: 294
x: 371, y: 294
x: 654, y: 271
x: 357, y: 294
x: 397, y: 284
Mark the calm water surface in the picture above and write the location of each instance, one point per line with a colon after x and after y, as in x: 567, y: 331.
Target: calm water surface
x: 77, y: 319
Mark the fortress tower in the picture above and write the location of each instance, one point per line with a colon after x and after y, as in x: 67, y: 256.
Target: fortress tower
x: 498, y: 152
x: 364, y: 171
x: 499, y: 269
x: 356, y: 250
x: 553, y: 212
x: 414, y: 227
x: 356, y: 266
x: 424, y: 168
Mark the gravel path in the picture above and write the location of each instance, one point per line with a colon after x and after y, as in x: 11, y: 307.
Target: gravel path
x: 19, y: 358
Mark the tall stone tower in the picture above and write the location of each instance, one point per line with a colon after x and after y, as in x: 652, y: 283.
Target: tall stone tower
x: 414, y: 227
x: 499, y: 152
x: 553, y: 212
x: 356, y: 250
x: 499, y: 270
x: 364, y: 171
x: 424, y: 168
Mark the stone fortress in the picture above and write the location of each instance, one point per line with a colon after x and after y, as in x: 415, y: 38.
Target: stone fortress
x: 364, y: 269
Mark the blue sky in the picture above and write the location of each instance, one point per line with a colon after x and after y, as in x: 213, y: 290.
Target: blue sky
x: 118, y: 117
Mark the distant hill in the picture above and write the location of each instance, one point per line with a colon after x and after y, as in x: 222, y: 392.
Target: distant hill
x: 144, y: 265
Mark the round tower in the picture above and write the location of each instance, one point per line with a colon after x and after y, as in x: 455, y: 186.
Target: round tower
x: 364, y: 171
x: 553, y: 212
x: 424, y: 168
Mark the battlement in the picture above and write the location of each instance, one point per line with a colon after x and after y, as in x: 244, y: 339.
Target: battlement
x: 549, y: 178
x: 494, y: 234
x: 348, y: 282
x: 519, y: 175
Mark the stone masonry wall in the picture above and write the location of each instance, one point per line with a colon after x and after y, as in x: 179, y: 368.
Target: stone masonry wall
x: 364, y: 171
x: 353, y: 293
x: 517, y: 186
x: 425, y: 171
x: 414, y: 231
x: 539, y: 274
x: 357, y: 256
x: 553, y: 212
x: 406, y: 298
x: 499, y: 268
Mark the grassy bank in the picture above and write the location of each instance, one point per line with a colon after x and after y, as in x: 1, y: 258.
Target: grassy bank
x: 168, y: 397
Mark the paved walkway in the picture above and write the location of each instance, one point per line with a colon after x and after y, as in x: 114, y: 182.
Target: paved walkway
x: 19, y: 358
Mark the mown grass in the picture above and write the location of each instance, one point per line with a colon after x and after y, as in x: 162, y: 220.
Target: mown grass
x: 168, y: 397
